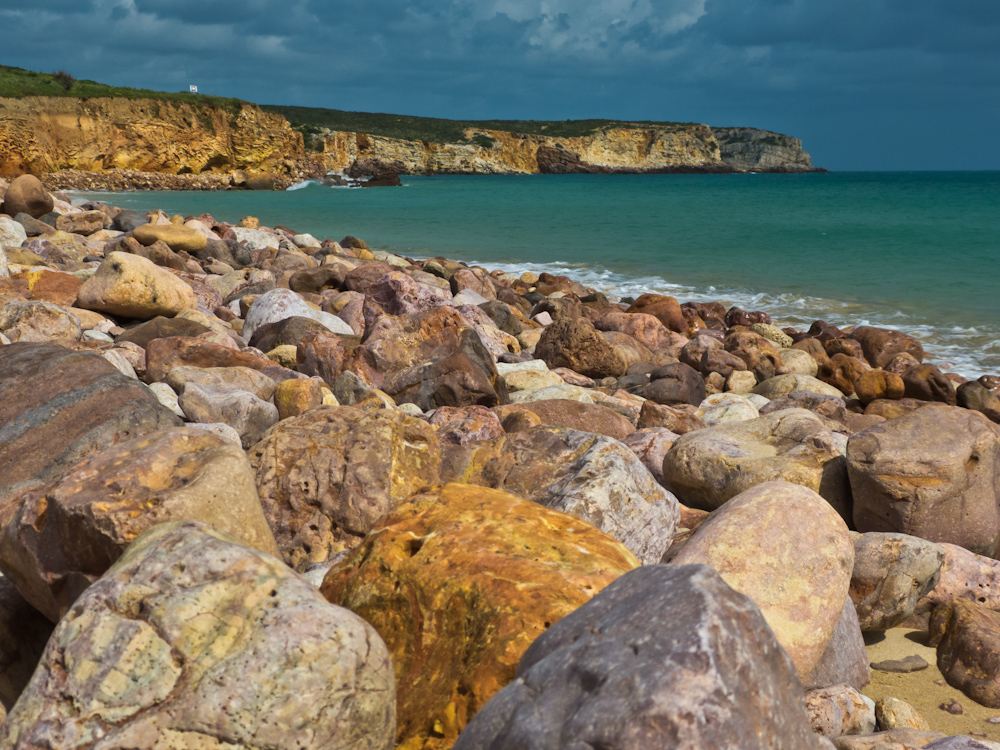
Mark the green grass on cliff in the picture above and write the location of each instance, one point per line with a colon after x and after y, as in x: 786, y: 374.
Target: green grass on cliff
x: 17, y: 83
x: 434, y: 130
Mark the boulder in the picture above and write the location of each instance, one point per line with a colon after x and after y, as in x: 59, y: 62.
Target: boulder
x: 225, y: 378
x: 927, y: 383
x: 465, y: 424
x: 708, y: 467
x: 881, y: 345
x: 27, y: 194
x: 58, y: 406
x: 325, y: 477
x: 932, y: 473
x: 161, y: 327
x: 279, y: 304
x: 85, y: 222
x: 662, y: 307
x: 783, y: 546
x: 967, y: 637
x: 574, y: 415
x: 576, y: 344
x: 830, y: 408
x: 786, y: 385
x: 800, y: 362
x: 593, y: 477
x: 38, y: 322
x: 875, y: 384
x: 891, y: 573
x: 165, y: 353
x: 249, y: 415
x: 894, y: 739
x: 760, y: 355
x: 721, y: 408
x: 892, y: 713
x: 838, y: 710
x: 663, y: 657
x: 455, y: 639
x: 963, y: 575
x: 12, y: 234
x: 177, y: 236
x: 192, y: 640
x: 646, y: 329
x: 59, y: 540
x: 295, y: 397
x: 841, y: 372
x: 675, y: 384
x: 678, y: 418
x: 975, y: 395
x: 133, y: 287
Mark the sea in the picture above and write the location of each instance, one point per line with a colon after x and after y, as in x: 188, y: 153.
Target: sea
x: 914, y: 251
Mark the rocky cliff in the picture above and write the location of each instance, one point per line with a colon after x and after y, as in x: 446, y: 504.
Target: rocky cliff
x: 674, y: 148
x: 752, y: 150
x: 113, y: 138
x: 46, y: 134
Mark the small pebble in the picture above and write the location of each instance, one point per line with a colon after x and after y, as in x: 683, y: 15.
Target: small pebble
x: 993, y: 720
x: 912, y: 663
x: 954, y: 707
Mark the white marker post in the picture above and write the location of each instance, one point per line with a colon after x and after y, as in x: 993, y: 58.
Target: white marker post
x: 193, y: 89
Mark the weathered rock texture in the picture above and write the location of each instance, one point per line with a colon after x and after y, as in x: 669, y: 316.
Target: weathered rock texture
x: 192, y: 640
x: 459, y: 582
x: 784, y: 547
x: 753, y: 150
x: 44, y: 134
x: 663, y: 657
x: 57, y: 542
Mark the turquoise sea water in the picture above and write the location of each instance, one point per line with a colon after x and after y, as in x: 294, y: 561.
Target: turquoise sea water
x: 915, y: 251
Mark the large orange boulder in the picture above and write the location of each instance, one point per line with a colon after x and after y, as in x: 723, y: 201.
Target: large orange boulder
x: 458, y: 582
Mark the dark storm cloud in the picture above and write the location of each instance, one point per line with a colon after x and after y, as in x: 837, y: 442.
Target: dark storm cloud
x: 865, y: 83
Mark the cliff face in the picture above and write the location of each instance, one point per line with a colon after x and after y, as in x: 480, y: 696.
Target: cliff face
x: 752, y: 150
x: 46, y: 134
x: 686, y: 148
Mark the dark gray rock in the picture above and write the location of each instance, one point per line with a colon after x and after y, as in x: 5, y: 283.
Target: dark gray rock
x: 663, y: 657
x: 845, y: 660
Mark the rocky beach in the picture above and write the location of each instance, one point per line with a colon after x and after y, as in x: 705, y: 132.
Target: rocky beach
x: 260, y: 489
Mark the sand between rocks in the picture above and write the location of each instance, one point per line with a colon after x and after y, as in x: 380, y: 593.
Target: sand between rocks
x: 925, y: 690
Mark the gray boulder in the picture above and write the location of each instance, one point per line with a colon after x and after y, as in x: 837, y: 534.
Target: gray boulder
x: 241, y: 410
x: 663, y: 657
x: 192, y: 640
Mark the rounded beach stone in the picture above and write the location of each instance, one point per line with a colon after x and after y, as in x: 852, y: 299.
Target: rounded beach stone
x: 204, y: 613
x: 465, y: 424
x: 927, y: 383
x: 38, y: 322
x: 891, y: 573
x: 875, y: 384
x: 783, y: 546
x: 249, y: 415
x: 27, y: 194
x: 82, y: 405
x: 572, y: 414
x: 279, y: 304
x: 325, y: 477
x: 663, y: 657
x: 177, y: 237
x: 662, y: 307
x: 799, y: 362
x: 881, y: 345
x: 133, y: 287
x: 967, y: 638
x: 785, y: 385
x: 227, y: 378
x: 12, y: 234
x: 456, y: 639
x: 708, y: 467
x: 295, y: 397
x: 58, y: 541
x: 726, y: 407
x: 574, y: 343
x: 760, y: 355
x: 838, y: 710
x: 892, y: 713
x: 841, y: 372
x: 932, y: 473
x: 675, y: 384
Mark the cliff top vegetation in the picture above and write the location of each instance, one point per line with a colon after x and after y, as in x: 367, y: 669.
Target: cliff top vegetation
x: 436, y: 130
x: 16, y: 83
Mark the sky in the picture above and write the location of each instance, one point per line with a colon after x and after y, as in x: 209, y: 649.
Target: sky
x: 866, y: 84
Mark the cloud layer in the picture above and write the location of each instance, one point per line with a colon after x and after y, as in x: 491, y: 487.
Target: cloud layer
x: 867, y: 84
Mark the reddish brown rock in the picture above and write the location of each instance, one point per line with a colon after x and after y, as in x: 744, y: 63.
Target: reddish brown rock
x: 573, y: 415
x: 58, y: 406
x: 847, y: 346
x: 646, y: 329
x: 162, y: 354
x: 466, y: 424
x: 662, y: 307
x: 681, y: 418
x: 363, y: 276
x: 737, y: 317
x: 574, y: 343
x: 875, y: 384
x: 881, y: 345
x: 650, y: 446
x: 760, y: 355
x: 932, y: 473
x: 675, y: 384
x: 522, y: 568
x: 928, y: 383
x: 51, y: 286
x: 891, y: 408
x: 967, y: 638
x: 327, y: 476
x: 27, y: 194
x: 474, y: 279
x: 841, y: 372
x: 325, y: 354
x: 815, y: 349
x: 58, y: 541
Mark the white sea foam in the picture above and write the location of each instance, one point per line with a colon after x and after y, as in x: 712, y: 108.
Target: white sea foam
x: 969, y: 351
